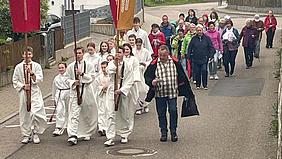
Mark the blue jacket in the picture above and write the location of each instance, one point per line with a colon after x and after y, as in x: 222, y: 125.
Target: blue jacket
x: 201, y: 48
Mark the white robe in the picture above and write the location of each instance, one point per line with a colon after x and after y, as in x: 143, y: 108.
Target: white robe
x: 119, y: 120
x: 102, y: 81
x: 96, y: 60
x: 134, y: 92
x: 60, y: 95
x: 140, y: 33
x: 83, y: 118
x: 36, y: 118
x: 143, y: 56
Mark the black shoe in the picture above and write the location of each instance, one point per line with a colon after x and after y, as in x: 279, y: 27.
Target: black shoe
x: 174, y: 137
x: 227, y: 75
x: 267, y: 47
x: 270, y: 46
x: 247, y: 67
x: 163, y: 138
x: 102, y: 133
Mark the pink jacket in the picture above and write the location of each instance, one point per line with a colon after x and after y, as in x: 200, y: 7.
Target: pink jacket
x: 216, y: 39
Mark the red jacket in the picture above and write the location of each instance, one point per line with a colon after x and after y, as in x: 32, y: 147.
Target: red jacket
x: 267, y: 23
x: 160, y: 37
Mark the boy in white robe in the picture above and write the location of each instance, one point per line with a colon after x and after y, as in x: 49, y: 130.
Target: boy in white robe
x: 32, y: 122
x: 144, y: 57
x: 102, y: 82
x: 60, y: 96
x: 117, y: 122
x: 140, y: 33
x: 83, y: 117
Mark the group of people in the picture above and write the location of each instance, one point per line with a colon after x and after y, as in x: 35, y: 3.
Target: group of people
x: 103, y: 90
x: 203, y: 43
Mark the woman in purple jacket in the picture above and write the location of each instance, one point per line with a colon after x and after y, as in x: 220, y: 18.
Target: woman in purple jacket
x: 217, y: 44
x: 249, y: 35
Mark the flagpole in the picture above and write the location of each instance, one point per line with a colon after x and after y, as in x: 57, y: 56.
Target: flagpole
x: 117, y: 97
x: 27, y: 77
x: 79, y: 98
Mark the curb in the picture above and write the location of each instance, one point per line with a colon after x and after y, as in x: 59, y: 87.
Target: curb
x: 226, y: 10
x: 5, y: 119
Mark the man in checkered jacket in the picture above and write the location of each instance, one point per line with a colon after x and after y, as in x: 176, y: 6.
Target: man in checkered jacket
x: 167, y: 80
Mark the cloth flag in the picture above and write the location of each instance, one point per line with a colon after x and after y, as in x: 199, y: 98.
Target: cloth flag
x: 25, y: 15
x: 123, y: 13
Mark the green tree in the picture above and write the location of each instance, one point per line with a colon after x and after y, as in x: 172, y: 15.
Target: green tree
x: 5, y: 18
x: 6, y: 24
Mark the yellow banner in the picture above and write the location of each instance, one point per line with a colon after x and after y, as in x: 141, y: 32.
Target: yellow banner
x: 125, y: 14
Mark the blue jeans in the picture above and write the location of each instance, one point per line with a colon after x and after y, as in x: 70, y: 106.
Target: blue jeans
x: 162, y: 103
x: 201, y: 71
x: 249, y: 56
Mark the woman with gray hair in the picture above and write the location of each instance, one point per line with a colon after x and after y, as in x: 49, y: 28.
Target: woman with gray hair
x: 249, y: 35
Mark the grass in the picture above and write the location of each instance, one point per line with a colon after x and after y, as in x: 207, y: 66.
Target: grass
x: 153, y: 3
x: 277, y: 63
x: 274, y: 122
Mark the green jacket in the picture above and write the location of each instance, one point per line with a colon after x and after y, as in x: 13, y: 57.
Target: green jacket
x: 186, y: 42
x: 175, y: 46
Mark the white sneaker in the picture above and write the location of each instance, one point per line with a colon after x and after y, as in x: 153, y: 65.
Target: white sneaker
x: 206, y: 88
x: 86, y: 138
x: 216, y: 77
x: 197, y: 88
x: 194, y: 82
x: 146, y: 109
x: 25, y: 139
x: 36, y: 139
x: 109, y: 143
x: 124, y: 140
x: 138, y: 112
x: 57, y: 132
x: 72, y: 141
x: 211, y: 77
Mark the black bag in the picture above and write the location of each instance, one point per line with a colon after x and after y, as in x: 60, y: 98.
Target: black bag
x: 189, y: 107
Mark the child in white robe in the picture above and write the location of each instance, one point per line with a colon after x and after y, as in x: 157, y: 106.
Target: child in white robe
x: 82, y: 116
x: 32, y: 122
x: 60, y: 96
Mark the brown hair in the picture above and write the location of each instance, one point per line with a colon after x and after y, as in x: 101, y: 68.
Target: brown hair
x: 91, y: 44
x: 28, y: 49
x: 63, y: 63
x: 78, y: 48
x: 163, y: 47
x: 101, y: 46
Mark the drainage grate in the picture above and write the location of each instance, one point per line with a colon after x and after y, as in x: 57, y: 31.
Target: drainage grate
x: 131, y: 151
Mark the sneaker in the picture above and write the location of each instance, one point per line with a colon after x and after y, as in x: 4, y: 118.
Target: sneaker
x: 57, y: 132
x: 87, y: 138
x: 109, y: 143
x: 124, y: 140
x: 194, y: 82
x: 211, y: 77
x: 216, y: 77
x: 25, y: 139
x: 163, y: 138
x: 72, y: 141
x: 205, y: 88
x: 138, y: 112
x: 197, y: 88
x: 146, y: 109
x: 247, y: 67
x: 36, y: 139
x: 227, y: 75
x: 174, y: 137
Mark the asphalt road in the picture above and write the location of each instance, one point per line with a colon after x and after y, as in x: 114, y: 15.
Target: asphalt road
x: 229, y: 127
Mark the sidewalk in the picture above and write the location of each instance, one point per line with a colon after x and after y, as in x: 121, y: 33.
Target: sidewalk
x: 10, y: 105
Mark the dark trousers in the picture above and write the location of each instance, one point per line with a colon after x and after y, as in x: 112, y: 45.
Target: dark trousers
x: 229, y: 57
x: 162, y: 103
x: 249, y: 56
x: 269, y: 37
x: 201, y: 72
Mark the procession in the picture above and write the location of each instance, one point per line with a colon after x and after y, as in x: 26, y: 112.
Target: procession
x: 106, y: 90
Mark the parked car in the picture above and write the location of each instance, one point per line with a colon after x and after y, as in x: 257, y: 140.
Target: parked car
x: 52, y: 22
